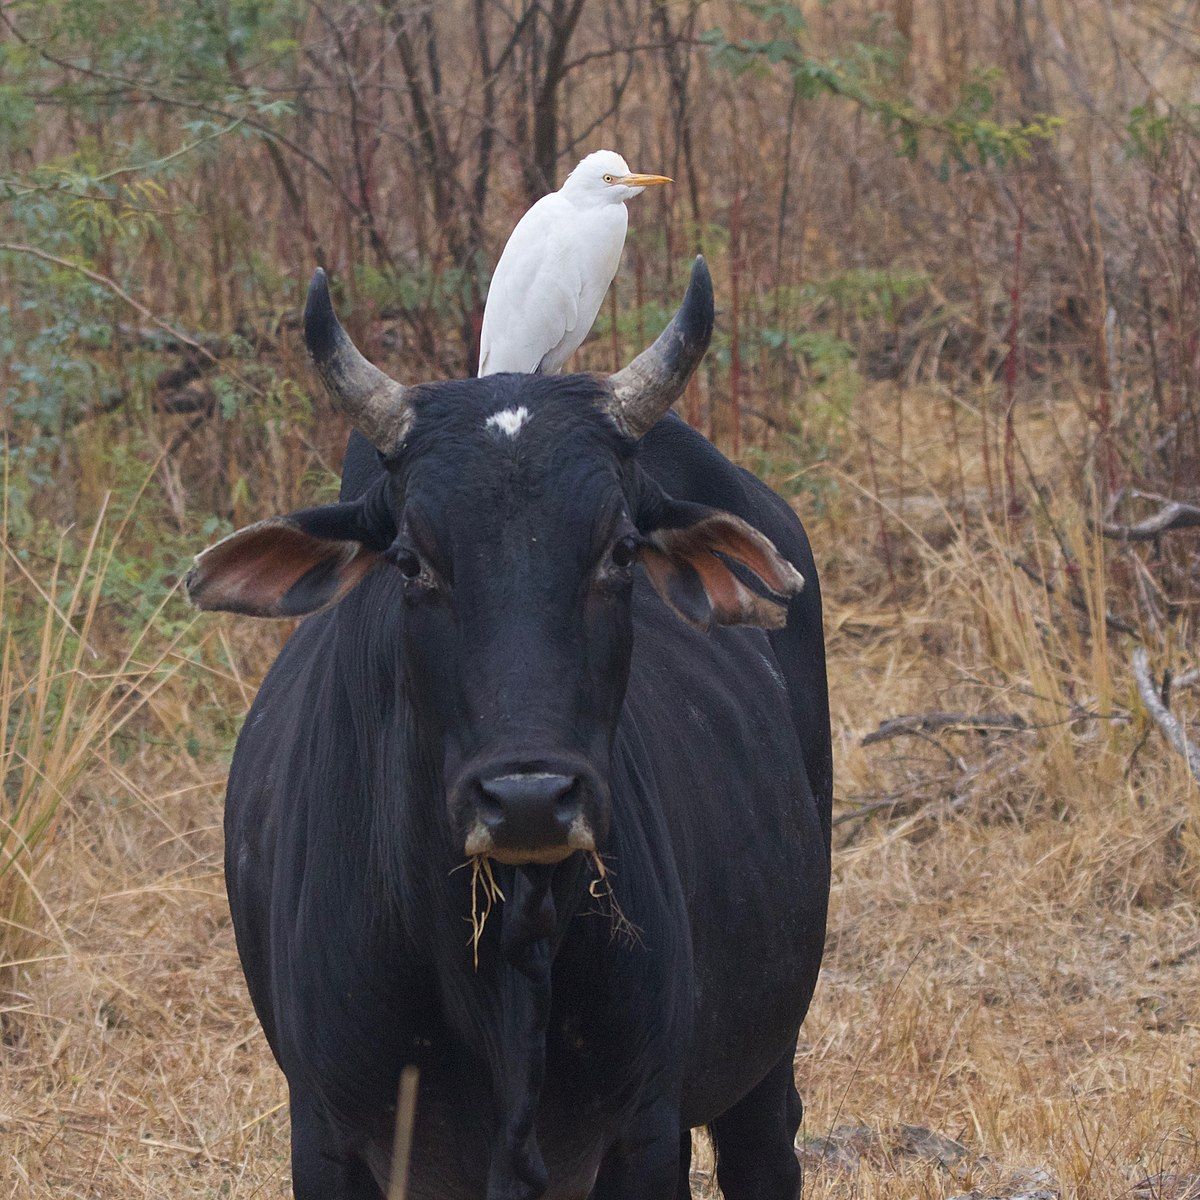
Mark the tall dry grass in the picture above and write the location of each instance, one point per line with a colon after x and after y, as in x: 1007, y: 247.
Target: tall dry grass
x: 66, y: 695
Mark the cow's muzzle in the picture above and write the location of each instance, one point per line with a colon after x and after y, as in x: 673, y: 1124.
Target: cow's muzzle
x: 522, y: 816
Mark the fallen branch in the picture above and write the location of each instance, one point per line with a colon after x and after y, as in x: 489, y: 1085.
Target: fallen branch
x: 922, y: 724
x: 910, y: 814
x: 1168, y: 724
x: 1176, y: 959
x: 910, y: 810
x: 915, y: 724
x: 1173, y: 514
x: 896, y: 801
x: 1187, y: 679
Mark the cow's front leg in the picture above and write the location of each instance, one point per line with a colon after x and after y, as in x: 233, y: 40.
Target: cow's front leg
x: 321, y: 1168
x: 646, y: 1163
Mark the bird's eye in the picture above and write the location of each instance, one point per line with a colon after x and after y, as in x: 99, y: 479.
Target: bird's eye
x: 608, y: 179
x: 624, y: 552
x: 405, y: 561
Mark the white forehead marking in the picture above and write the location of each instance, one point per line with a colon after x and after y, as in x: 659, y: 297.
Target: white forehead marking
x: 508, y: 420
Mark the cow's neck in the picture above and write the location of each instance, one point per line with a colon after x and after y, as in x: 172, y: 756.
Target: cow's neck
x: 500, y: 1007
x: 528, y: 935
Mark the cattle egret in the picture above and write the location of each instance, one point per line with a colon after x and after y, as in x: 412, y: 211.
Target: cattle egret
x: 552, y: 276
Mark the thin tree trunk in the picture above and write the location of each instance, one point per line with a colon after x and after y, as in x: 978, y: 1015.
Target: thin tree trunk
x: 677, y: 56
x: 562, y: 19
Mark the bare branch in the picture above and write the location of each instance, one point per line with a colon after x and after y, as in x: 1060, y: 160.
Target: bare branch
x: 113, y: 286
x: 921, y: 724
x: 1173, y: 514
x: 631, y: 48
x: 1168, y: 724
x: 136, y: 91
x: 914, y: 724
x: 117, y: 290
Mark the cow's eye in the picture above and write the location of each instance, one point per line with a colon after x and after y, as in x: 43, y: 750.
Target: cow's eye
x: 406, y: 561
x: 624, y: 552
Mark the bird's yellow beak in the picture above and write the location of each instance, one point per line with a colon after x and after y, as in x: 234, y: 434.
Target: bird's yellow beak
x: 643, y: 180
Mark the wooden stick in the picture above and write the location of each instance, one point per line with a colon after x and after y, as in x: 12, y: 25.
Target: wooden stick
x: 920, y: 724
x: 1115, y: 623
x: 406, y: 1113
x: 112, y: 285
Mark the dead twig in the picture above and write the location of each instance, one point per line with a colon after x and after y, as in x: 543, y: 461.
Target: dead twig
x: 1172, y: 514
x: 117, y: 290
x: 916, y: 724
x: 893, y: 802
x: 112, y: 285
x: 1168, y: 724
x: 922, y: 724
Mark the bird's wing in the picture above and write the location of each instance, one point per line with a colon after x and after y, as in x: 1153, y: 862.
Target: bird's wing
x: 533, y: 299
x: 596, y: 247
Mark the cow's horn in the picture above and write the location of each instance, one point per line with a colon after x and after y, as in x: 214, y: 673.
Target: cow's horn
x: 377, y: 404
x: 644, y: 390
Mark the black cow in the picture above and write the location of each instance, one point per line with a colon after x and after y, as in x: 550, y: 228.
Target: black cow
x: 537, y: 652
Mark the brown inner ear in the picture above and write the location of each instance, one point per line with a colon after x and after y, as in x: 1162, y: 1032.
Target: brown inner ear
x: 679, y: 585
x: 275, y: 569
x: 733, y: 602
x: 679, y: 558
x: 756, y: 551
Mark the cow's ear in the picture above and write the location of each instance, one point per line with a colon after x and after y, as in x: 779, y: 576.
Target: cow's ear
x: 692, y: 559
x: 285, y: 566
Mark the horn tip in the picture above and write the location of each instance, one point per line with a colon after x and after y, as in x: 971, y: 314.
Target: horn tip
x: 318, y: 285
x: 699, y: 303
x: 320, y: 324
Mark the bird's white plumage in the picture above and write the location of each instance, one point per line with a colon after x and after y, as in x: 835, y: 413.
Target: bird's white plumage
x: 556, y: 268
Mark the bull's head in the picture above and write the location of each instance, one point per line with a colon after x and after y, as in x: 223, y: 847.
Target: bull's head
x: 515, y: 517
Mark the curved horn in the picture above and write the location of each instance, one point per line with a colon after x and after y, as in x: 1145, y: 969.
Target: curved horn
x: 644, y: 390
x: 376, y: 403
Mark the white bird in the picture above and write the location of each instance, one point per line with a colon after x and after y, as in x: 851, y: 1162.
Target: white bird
x: 551, y: 279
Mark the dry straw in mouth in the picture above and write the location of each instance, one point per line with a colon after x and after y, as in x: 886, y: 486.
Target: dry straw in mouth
x: 484, y: 880
x: 601, y: 889
x: 481, y: 876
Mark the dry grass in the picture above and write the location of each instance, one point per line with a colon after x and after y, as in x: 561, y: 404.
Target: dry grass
x: 62, y: 704
x: 1014, y: 951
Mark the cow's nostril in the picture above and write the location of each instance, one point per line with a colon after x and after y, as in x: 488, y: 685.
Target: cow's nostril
x: 530, y: 816
x: 569, y: 805
x: 530, y: 800
x: 490, y: 808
